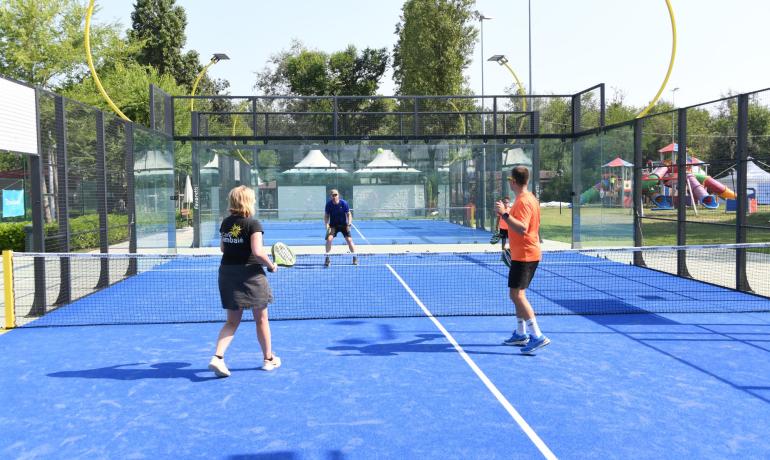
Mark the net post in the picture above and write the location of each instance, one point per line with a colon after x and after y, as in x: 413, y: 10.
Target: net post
x: 576, y: 172
x: 741, y: 281
x: 637, y: 191
x: 62, y: 171
x: 681, y: 190
x: 101, y: 200
x: 10, y: 307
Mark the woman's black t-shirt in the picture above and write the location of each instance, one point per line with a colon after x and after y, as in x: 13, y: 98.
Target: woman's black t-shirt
x: 235, y: 234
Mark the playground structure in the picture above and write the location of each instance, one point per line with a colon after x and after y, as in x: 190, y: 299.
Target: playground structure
x: 614, y: 189
x: 660, y: 180
x: 659, y: 184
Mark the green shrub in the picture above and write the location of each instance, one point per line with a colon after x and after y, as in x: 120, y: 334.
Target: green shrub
x: 84, y: 232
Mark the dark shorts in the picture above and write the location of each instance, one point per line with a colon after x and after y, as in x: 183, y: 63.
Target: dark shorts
x: 243, y: 286
x: 503, y: 233
x: 340, y: 229
x: 521, y: 274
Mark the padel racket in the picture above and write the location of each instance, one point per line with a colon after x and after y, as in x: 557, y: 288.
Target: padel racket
x: 506, y: 257
x: 283, y: 255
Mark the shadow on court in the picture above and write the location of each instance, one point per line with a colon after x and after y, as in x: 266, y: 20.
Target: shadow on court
x: 170, y: 370
x: 424, y: 343
x: 287, y: 455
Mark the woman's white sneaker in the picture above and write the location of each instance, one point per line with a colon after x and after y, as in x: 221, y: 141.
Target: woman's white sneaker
x: 270, y: 364
x: 218, y: 367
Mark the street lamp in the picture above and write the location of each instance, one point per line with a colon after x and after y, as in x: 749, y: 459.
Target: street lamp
x: 214, y: 59
x: 503, y: 61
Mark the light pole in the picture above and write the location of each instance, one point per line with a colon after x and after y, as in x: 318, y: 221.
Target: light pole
x: 529, y: 29
x: 482, y: 18
x: 483, y: 215
x: 673, y: 114
x: 214, y: 59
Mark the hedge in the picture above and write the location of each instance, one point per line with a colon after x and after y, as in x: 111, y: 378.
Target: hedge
x: 84, y: 232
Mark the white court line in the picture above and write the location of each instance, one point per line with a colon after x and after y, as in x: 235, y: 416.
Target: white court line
x: 481, y: 375
x: 359, y: 232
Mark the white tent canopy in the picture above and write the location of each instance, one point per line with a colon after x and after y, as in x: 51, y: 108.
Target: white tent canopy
x: 152, y: 162
x: 386, y: 162
x: 756, y: 178
x: 315, y: 162
x: 516, y: 156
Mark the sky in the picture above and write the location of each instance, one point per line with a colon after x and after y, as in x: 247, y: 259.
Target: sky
x: 625, y: 44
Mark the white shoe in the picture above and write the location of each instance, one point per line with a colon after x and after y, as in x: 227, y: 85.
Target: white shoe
x: 270, y: 364
x: 218, y: 367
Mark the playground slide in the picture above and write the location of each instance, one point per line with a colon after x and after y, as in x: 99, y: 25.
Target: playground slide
x: 719, y: 188
x: 701, y: 194
x: 590, y: 195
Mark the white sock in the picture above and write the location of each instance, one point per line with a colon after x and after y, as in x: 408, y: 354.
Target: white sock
x: 521, y: 326
x: 532, y: 324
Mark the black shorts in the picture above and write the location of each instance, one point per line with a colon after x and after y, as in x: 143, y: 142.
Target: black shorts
x: 503, y: 233
x: 340, y: 229
x: 521, y: 274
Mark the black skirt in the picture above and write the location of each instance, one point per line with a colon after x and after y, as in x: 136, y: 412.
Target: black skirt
x: 243, y: 286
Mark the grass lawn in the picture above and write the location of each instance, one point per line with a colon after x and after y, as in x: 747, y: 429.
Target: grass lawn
x: 614, y: 227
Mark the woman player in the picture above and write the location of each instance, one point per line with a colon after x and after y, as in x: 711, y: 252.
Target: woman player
x: 242, y: 280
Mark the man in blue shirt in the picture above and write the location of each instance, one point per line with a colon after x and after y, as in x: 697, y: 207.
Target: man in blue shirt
x: 338, y: 219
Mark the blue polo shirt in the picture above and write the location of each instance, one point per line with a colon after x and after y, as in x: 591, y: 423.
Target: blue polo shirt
x: 337, y: 212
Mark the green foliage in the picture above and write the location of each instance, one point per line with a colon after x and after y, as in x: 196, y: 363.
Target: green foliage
x: 435, y: 44
x: 84, y: 232
x: 127, y: 84
x: 304, y: 72
x: 42, y: 41
x: 159, y: 27
x: 12, y: 235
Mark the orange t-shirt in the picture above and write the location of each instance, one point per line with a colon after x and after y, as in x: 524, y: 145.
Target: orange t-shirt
x: 502, y: 224
x: 526, y: 247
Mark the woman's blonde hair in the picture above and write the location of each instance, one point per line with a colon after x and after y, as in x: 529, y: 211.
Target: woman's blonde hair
x: 242, y: 201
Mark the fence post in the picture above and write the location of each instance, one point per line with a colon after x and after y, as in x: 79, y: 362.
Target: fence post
x: 62, y: 203
x: 741, y: 154
x: 577, y: 171
x: 130, y: 196
x: 38, y: 222
x: 196, y: 182
x: 681, y: 194
x: 535, y: 127
x: 101, y: 201
x: 638, y: 206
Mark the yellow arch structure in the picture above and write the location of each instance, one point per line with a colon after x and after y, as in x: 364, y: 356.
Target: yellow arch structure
x: 90, y: 61
x: 670, y: 62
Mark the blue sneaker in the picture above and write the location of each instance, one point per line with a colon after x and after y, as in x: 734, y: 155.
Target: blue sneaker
x: 517, y: 339
x: 535, y: 343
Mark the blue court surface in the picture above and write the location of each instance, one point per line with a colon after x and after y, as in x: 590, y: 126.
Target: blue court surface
x: 414, y: 231
x: 397, y: 369
x: 625, y: 386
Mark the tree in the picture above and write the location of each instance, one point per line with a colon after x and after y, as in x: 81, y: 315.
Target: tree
x: 304, y: 72
x: 434, y: 47
x: 128, y: 88
x: 159, y: 27
x: 41, y: 41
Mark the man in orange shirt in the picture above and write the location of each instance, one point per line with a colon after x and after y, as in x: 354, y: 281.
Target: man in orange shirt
x: 524, y: 232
